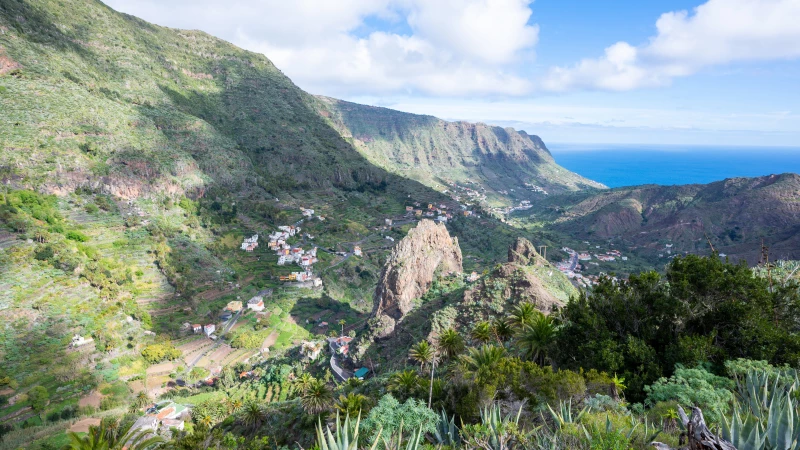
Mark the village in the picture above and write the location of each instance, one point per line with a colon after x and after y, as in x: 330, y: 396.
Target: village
x: 571, y: 267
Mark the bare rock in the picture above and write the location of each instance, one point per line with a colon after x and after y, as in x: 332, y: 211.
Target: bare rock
x: 427, y: 251
x: 524, y: 253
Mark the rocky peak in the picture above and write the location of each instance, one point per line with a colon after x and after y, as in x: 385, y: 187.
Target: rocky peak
x: 524, y: 253
x: 427, y: 251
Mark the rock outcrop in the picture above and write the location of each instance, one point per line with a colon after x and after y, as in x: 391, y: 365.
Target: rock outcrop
x: 427, y: 251
x: 523, y: 252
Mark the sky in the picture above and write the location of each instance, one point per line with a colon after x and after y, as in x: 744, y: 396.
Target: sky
x: 719, y: 72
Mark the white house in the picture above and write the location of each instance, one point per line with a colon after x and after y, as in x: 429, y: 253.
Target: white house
x: 256, y: 303
x: 210, y: 329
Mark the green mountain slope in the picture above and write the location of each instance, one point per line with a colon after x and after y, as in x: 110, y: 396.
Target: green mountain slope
x: 735, y: 215
x: 436, y: 152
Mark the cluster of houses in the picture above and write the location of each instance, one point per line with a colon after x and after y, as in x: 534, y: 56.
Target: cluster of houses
x: 250, y: 244
x: 208, y: 329
x: 536, y: 188
x: 438, y: 212
x: 287, y: 254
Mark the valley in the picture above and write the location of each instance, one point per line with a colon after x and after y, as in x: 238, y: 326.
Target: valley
x: 188, y: 238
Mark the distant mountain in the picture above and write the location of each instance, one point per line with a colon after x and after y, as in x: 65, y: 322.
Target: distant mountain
x: 434, y: 151
x: 734, y: 215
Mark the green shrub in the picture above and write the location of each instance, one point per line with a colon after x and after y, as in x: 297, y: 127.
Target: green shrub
x: 694, y: 387
x: 77, y: 236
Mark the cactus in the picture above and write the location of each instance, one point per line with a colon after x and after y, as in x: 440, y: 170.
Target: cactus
x: 346, y: 437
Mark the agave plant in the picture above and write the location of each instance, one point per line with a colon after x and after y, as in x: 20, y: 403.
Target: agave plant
x: 395, y: 442
x: 446, y: 432
x: 346, y: 437
x: 766, y: 415
x: 564, y: 414
x: 495, y: 432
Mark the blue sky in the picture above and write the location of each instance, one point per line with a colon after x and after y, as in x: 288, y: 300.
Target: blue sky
x: 668, y: 72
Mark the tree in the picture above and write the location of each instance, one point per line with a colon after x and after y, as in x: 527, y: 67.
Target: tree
x: 523, y: 314
x: 341, y: 323
x: 536, y: 337
x: 113, y: 435
x: 702, y: 310
x: 302, y: 382
x: 317, y: 398
x: 479, y: 364
x: 252, y: 415
x: 352, y: 404
x: 450, y: 343
x: 389, y: 415
x: 141, y: 400
x: 404, y: 383
x: 482, y: 332
x: 502, y: 330
x: 38, y: 398
x: 423, y: 353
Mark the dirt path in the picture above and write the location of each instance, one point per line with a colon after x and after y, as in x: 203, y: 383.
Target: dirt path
x: 82, y: 426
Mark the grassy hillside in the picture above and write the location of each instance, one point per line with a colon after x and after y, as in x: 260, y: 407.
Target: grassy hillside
x: 735, y: 216
x: 133, y: 160
x: 438, y: 153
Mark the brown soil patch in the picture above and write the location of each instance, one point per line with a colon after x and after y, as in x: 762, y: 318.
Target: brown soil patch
x: 82, y: 426
x: 161, y: 368
x: 15, y: 414
x: 6, y: 392
x: 93, y: 399
x: 6, y: 63
x: 137, y: 386
x: 270, y: 340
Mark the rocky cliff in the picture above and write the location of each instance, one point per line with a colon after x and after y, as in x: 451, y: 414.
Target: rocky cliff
x: 427, y: 251
x: 435, y: 151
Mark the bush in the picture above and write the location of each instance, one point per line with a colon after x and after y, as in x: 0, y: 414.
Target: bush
x: 77, y: 236
x: 694, y: 387
x: 156, y: 353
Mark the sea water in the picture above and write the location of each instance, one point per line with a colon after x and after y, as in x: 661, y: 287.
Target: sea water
x: 627, y: 165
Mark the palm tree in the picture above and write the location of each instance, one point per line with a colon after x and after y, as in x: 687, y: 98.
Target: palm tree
x: 522, y: 314
x: 351, y: 405
x: 450, y: 342
x: 423, y: 353
x: 478, y: 363
x: 502, y: 330
x: 482, y: 332
x: 302, y: 382
x: 112, y: 435
x: 342, y: 322
x: 232, y: 405
x: 535, y: 338
x: 317, y: 397
x: 404, y: 383
x: 252, y: 415
x: 141, y: 400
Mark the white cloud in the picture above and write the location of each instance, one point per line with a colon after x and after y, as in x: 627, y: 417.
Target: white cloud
x: 451, y: 47
x: 717, y: 32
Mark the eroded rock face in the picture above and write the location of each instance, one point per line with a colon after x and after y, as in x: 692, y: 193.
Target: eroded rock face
x: 426, y: 251
x: 523, y: 253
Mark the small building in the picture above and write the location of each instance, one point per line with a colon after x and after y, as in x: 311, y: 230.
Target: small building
x: 234, y: 306
x: 197, y: 328
x: 388, y: 222
x: 409, y: 208
x: 78, y: 341
x: 389, y: 238
x: 256, y: 303
x: 209, y: 329
x: 357, y: 250
x: 361, y: 373
x: 473, y: 277
x: 172, y: 423
x: 311, y: 349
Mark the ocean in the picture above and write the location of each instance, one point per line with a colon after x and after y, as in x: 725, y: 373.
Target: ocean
x: 627, y: 165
